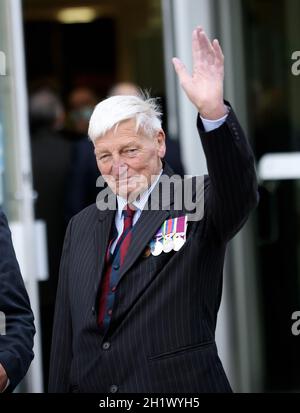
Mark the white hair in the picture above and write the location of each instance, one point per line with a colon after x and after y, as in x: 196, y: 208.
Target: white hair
x: 116, y: 109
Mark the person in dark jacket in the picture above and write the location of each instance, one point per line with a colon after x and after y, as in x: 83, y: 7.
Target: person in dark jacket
x: 141, y: 275
x: 16, y: 319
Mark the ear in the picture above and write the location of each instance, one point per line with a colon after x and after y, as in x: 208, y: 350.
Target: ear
x: 161, y: 142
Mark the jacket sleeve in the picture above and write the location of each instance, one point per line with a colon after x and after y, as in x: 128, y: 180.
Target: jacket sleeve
x: 231, y: 187
x: 61, y: 350
x: 16, y: 337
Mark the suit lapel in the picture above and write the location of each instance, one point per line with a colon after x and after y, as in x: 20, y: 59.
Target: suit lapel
x: 101, y: 240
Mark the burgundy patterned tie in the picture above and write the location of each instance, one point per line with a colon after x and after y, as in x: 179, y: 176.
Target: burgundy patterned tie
x: 113, y: 265
x: 125, y: 238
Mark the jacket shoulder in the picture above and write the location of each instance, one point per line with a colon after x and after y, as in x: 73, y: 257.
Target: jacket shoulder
x: 89, y: 213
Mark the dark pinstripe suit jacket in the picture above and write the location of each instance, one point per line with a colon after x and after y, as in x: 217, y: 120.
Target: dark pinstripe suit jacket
x: 162, y: 333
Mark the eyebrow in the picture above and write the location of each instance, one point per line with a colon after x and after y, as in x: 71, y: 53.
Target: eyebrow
x: 134, y: 143
x: 128, y: 145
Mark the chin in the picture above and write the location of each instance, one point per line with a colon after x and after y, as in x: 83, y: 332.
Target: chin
x: 130, y: 193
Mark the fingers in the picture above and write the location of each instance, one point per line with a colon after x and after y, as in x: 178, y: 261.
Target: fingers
x: 196, y: 50
x: 207, y: 52
x: 218, y: 51
x: 181, y: 70
x: 204, y: 50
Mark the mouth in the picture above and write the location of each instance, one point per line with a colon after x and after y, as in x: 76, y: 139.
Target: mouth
x: 127, y: 183
x: 122, y: 181
x: 126, y: 179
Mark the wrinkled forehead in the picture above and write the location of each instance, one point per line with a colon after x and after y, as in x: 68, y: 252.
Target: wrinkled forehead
x: 126, y: 128
x: 121, y: 134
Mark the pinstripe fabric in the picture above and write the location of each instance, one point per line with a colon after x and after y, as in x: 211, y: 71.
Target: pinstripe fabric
x: 162, y: 333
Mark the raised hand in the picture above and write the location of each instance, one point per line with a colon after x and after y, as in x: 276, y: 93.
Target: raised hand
x: 205, y: 87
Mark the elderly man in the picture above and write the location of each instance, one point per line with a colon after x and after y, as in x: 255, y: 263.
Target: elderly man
x: 140, y: 287
x: 16, y: 318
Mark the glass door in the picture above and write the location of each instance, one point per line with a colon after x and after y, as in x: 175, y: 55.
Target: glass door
x: 271, y: 35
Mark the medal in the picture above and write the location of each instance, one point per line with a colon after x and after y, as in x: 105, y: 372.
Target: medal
x: 178, y: 242
x: 168, y: 233
x: 171, y: 236
x: 167, y: 244
x: 147, y: 252
x: 156, y: 248
x: 179, y: 238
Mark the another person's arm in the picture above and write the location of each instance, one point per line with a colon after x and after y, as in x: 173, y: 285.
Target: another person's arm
x: 16, y: 339
x: 4, y: 381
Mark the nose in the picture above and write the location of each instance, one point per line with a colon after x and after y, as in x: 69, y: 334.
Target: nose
x: 119, y: 168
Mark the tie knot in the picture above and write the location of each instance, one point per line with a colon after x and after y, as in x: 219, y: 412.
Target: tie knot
x: 128, y: 211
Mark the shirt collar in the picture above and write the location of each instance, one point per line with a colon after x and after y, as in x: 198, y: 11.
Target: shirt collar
x: 141, y: 202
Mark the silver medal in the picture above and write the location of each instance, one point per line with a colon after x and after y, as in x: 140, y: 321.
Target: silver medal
x: 178, y: 243
x: 167, y: 245
x: 156, y: 248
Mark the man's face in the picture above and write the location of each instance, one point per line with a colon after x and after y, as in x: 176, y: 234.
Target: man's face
x: 128, y: 160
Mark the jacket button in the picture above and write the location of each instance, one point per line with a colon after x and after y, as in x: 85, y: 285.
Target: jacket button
x: 113, y: 388
x: 116, y: 267
x: 93, y: 311
x: 106, y: 346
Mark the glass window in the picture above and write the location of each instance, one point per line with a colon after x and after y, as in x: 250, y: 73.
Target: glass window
x: 272, y: 34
